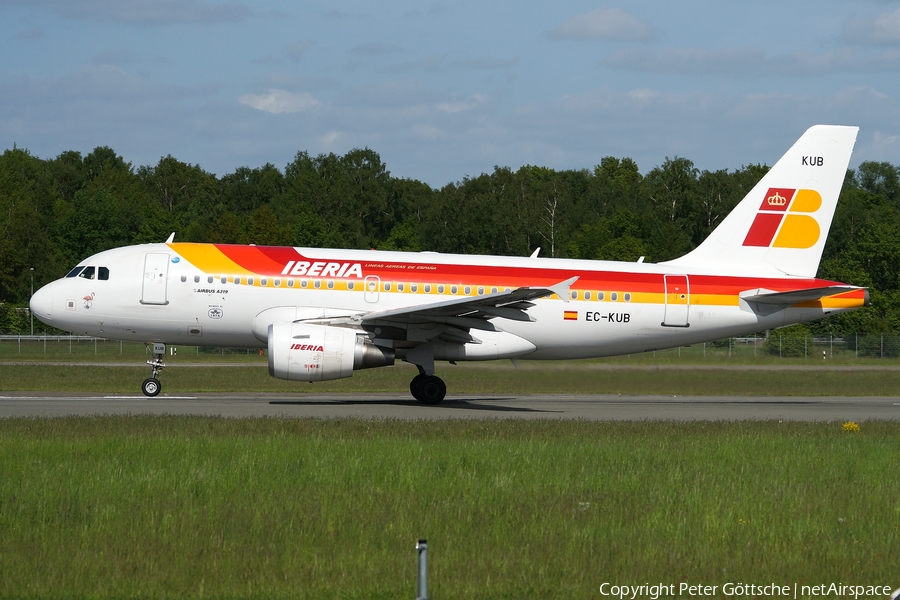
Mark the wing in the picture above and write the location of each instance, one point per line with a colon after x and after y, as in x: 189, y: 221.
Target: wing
x: 451, y: 320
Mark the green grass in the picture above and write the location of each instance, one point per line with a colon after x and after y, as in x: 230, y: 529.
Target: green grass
x: 737, y: 351
x: 492, y: 378
x: 208, y: 507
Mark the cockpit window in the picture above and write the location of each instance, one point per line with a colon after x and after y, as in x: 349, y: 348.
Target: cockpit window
x: 88, y: 273
x: 102, y: 273
x: 74, y: 272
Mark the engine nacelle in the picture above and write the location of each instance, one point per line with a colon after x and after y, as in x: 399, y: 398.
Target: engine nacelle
x: 303, y: 352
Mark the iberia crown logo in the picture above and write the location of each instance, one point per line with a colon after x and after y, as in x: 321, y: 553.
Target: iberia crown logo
x: 784, y: 220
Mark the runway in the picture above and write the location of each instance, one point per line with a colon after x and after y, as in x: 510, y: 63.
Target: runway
x: 397, y: 406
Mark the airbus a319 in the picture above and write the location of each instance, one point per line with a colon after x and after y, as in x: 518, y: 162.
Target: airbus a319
x: 323, y: 314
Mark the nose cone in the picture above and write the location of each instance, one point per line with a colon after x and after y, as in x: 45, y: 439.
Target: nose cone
x: 42, y: 304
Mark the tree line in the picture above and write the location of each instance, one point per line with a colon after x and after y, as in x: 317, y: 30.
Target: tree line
x: 55, y: 212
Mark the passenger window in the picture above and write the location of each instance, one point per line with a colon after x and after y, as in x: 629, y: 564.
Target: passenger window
x: 209, y: 279
x: 88, y: 273
x: 427, y: 288
x: 103, y: 274
x: 74, y: 272
x: 224, y: 279
x: 196, y: 279
x: 587, y: 295
x: 183, y: 278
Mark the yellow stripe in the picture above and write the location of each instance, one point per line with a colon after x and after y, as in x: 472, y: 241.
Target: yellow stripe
x: 208, y: 259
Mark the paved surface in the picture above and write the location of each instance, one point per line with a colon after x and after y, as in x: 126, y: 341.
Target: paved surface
x: 396, y: 406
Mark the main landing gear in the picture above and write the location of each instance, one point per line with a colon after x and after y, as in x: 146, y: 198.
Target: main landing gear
x: 151, y: 386
x: 428, y: 389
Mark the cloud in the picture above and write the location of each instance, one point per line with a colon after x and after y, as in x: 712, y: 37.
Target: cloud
x: 146, y: 12
x: 30, y: 34
x: 295, y: 50
x: 750, y: 63
x: 883, y: 29
x: 456, y: 106
x: 604, y: 24
x: 280, y: 102
x: 443, y: 63
x: 376, y: 49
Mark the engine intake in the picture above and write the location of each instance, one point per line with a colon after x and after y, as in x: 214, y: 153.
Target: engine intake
x: 302, y: 352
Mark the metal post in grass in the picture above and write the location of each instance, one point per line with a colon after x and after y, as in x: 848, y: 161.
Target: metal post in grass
x: 422, y: 575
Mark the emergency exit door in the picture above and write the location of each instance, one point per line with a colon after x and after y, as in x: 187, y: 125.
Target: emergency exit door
x: 678, y: 301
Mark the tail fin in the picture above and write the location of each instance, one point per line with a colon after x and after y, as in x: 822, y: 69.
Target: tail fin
x: 781, y: 225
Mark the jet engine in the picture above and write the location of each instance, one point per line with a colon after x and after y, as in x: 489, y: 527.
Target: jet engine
x: 303, y: 352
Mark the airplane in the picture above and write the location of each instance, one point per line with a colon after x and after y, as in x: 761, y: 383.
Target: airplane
x: 324, y: 313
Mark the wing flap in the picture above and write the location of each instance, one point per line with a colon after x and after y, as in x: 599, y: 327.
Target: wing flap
x: 451, y: 320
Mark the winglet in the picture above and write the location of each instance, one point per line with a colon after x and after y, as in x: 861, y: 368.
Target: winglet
x: 561, y: 289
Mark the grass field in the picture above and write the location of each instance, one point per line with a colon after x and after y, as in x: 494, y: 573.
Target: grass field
x: 206, y: 507
x: 712, y: 369
x: 737, y: 350
x: 490, y: 378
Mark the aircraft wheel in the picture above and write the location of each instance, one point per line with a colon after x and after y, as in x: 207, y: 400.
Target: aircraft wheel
x: 431, y: 389
x: 415, y: 385
x: 151, y: 387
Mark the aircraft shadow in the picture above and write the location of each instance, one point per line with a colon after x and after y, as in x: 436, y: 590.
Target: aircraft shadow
x: 456, y: 403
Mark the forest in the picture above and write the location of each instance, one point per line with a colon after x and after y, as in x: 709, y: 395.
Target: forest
x: 55, y: 212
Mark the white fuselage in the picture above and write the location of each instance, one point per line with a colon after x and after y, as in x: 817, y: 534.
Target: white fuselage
x: 617, y: 308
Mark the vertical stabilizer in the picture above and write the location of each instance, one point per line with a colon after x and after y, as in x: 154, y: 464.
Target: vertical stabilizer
x: 781, y: 225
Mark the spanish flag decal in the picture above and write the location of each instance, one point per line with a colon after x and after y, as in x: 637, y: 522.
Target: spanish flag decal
x: 570, y: 315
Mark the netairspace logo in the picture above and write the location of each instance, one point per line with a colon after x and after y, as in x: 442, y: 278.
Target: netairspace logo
x: 771, y: 590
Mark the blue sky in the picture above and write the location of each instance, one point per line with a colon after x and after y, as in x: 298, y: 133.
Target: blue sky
x: 444, y: 90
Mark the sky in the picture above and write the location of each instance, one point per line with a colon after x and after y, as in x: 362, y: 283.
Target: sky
x: 447, y: 90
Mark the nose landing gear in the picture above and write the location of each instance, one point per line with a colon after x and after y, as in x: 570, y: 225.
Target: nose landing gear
x: 151, y: 386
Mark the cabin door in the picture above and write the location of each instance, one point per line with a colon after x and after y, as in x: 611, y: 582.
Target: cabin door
x: 156, y: 279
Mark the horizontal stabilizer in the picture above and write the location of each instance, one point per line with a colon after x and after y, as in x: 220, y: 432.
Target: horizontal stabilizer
x: 762, y: 296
